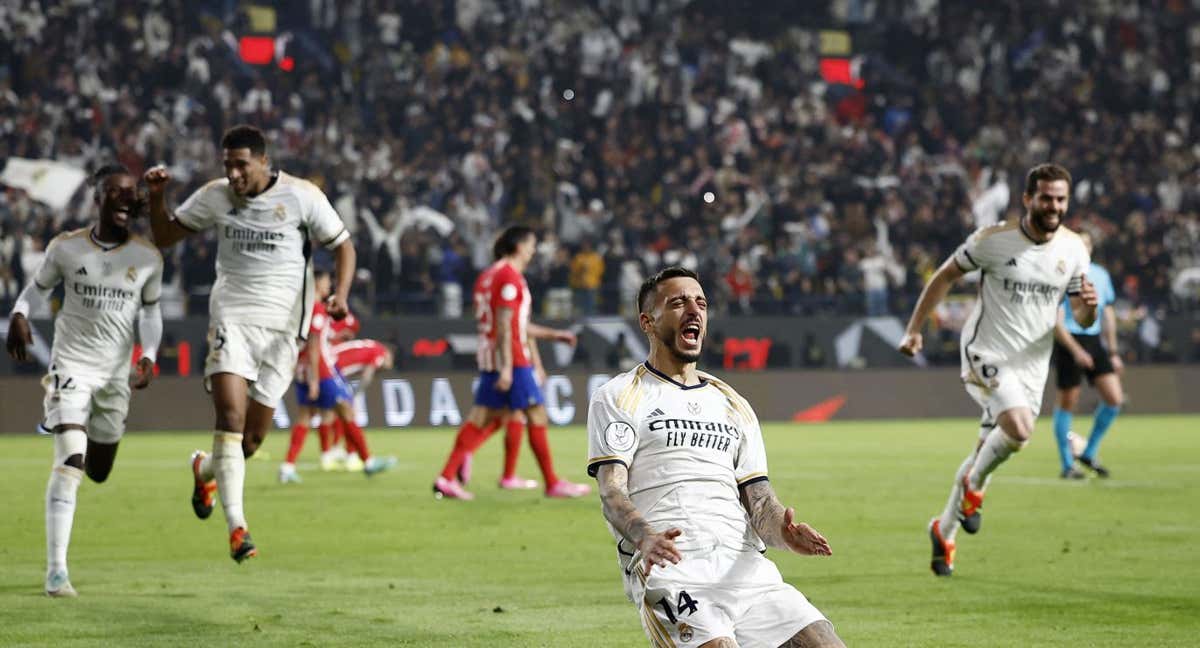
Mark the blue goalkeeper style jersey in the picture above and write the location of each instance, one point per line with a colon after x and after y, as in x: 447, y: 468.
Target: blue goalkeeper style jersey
x: 1104, y: 292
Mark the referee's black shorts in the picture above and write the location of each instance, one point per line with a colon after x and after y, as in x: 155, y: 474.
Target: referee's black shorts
x: 1071, y: 374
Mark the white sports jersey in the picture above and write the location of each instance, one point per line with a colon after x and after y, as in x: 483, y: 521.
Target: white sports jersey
x: 103, y: 291
x: 1021, y: 285
x: 262, y: 256
x: 688, y: 451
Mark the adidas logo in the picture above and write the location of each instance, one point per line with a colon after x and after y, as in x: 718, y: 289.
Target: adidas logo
x: 1011, y: 262
x: 656, y: 412
x: 81, y: 271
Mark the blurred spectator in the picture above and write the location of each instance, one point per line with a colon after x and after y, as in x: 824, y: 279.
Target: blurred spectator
x: 587, y: 269
x: 667, y: 132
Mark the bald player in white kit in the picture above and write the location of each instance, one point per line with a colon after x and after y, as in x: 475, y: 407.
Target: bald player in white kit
x: 111, y: 277
x: 1026, y: 268
x: 260, y: 304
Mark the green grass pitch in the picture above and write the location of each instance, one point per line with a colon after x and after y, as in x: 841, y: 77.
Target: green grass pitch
x: 351, y: 561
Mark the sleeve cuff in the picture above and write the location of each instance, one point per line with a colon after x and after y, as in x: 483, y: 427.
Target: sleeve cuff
x: 752, y: 479
x: 338, y: 239
x: 594, y: 464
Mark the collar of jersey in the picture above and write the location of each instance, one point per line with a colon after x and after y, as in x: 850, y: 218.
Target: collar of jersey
x: 703, y: 382
x: 105, y: 245
x: 1025, y: 232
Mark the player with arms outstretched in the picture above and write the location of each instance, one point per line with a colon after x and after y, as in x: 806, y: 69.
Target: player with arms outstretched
x: 1026, y: 268
x: 110, y: 277
x: 260, y: 304
x: 682, y: 470
x: 507, y: 381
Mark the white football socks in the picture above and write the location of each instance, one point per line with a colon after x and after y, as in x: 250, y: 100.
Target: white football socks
x: 60, y: 514
x: 948, y: 522
x: 229, y: 467
x: 996, y: 449
x: 206, y: 466
x: 60, y: 497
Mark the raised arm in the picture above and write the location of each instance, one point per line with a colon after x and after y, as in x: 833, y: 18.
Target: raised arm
x: 656, y: 548
x: 166, y: 230
x: 932, y: 295
x: 776, y: 525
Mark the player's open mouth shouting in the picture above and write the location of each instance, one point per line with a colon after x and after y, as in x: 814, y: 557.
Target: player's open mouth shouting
x: 691, y: 334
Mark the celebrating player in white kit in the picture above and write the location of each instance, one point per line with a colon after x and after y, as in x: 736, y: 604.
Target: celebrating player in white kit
x: 109, y: 276
x: 260, y: 303
x: 682, y: 470
x: 1026, y: 268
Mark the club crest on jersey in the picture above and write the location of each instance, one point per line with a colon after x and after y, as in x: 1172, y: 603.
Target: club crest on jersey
x: 131, y: 274
x: 620, y: 436
x: 685, y: 632
x: 1061, y: 267
x: 694, y: 408
x: 280, y: 212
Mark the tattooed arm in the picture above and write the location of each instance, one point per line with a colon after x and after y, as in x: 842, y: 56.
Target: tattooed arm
x: 776, y: 525
x: 657, y: 548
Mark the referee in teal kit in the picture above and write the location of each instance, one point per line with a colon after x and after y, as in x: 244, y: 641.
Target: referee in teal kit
x: 1077, y: 352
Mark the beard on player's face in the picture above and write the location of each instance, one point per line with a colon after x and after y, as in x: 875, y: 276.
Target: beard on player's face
x: 671, y: 336
x: 1047, y: 219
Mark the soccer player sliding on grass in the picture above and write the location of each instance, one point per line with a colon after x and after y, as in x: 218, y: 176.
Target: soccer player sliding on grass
x: 1025, y: 269
x: 110, y: 278
x: 682, y: 470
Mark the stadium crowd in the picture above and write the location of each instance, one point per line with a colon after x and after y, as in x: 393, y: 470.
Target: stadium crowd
x: 636, y: 134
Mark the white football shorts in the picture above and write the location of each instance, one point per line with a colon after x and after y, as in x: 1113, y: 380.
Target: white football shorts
x: 265, y: 357
x: 99, y: 403
x: 998, y: 387
x: 720, y: 593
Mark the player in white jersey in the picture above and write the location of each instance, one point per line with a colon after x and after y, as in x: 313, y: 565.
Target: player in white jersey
x: 110, y: 277
x: 259, y: 306
x: 1026, y: 268
x: 682, y: 470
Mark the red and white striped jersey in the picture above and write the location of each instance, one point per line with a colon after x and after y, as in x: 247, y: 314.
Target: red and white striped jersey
x: 499, y: 286
x: 355, y: 355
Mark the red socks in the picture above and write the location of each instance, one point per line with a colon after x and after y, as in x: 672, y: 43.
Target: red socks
x: 541, y: 449
x: 326, y: 436
x: 299, y: 432
x: 512, y: 447
x: 355, y: 439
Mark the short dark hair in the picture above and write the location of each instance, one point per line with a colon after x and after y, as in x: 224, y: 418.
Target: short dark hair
x: 322, y: 272
x: 245, y: 136
x: 651, y: 283
x: 107, y: 170
x: 509, y: 239
x: 1045, y: 172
